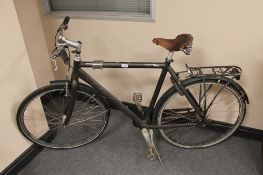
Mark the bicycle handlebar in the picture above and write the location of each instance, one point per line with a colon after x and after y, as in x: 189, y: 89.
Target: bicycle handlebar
x: 66, y: 20
x: 63, y: 43
x: 64, y: 25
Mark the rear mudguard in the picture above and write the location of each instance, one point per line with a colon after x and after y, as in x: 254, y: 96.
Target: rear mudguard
x: 237, y: 87
x: 232, y: 83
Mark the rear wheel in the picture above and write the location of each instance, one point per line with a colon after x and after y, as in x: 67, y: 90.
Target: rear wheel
x: 224, y: 109
x: 41, y: 115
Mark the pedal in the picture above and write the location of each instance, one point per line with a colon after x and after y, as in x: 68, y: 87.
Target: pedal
x: 137, y: 98
x: 152, y: 153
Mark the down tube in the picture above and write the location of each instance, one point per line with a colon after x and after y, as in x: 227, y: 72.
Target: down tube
x: 87, y: 78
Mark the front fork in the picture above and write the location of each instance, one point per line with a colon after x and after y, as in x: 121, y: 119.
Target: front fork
x: 71, y: 101
x: 72, y: 92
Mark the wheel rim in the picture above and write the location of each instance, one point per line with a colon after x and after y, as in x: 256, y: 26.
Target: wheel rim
x: 207, y: 132
x: 43, y: 116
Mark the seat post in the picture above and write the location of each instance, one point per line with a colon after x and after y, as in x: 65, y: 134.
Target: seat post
x: 170, y: 56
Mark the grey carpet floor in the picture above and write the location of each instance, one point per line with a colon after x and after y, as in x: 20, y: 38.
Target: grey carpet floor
x: 121, y: 150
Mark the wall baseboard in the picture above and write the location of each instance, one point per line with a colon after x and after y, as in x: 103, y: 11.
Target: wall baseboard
x: 19, y: 163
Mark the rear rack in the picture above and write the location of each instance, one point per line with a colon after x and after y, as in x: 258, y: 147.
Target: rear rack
x: 225, y: 71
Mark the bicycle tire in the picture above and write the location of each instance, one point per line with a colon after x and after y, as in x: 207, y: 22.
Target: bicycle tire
x: 41, y: 114
x: 213, y: 128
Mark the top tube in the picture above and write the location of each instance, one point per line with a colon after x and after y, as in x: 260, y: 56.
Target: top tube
x: 99, y: 64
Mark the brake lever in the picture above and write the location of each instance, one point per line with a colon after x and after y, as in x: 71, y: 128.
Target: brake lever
x: 55, y: 64
x: 55, y: 54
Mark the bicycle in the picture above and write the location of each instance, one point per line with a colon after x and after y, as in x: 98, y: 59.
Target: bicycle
x: 198, y: 111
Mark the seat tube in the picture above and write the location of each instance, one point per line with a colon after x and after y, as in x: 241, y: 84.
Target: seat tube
x: 185, y: 91
x: 156, y: 92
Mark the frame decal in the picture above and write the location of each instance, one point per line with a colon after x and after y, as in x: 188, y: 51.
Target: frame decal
x: 124, y: 65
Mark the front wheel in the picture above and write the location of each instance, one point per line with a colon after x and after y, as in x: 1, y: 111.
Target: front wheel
x: 41, y: 115
x: 223, y: 106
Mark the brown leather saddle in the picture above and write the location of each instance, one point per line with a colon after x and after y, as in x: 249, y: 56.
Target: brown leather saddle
x: 181, y: 42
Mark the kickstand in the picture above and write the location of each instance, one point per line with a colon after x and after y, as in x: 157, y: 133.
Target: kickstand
x: 152, y: 152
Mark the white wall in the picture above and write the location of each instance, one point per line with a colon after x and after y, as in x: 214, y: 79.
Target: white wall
x: 17, y: 80
x: 29, y: 16
x: 225, y: 33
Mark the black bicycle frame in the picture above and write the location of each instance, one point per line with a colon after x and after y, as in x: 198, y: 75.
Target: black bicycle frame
x: 165, y: 66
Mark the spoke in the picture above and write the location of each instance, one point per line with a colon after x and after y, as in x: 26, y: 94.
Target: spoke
x: 182, y: 99
x: 195, y: 95
x: 40, y: 103
x: 92, y: 108
x: 220, y: 90
x: 233, y: 102
x: 83, y: 107
x: 38, y: 119
x: 206, y: 94
x: 86, y: 124
x: 45, y: 118
x: 178, y: 110
x: 212, y: 107
x: 44, y: 112
x: 170, y: 114
x: 218, y: 100
x: 83, y: 119
x: 188, y: 117
x: 48, y: 121
x: 178, y: 116
x: 33, y: 110
x: 54, y: 102
x: 224, y: 111
x: 200, y: 94
x: 79, y: 121
x: 89, y: 125
x: 85, y: 103
x: 63, y: 104
x: 172, y: 111
x: 57, y: 116
x: 47, y: 113
x: 203, y: 94
x: 228, y: 106
x: 87, y: 113
x: 170, y: 130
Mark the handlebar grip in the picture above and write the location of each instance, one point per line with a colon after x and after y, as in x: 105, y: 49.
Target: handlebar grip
x: 64, y: 25
x: 66, y: 20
